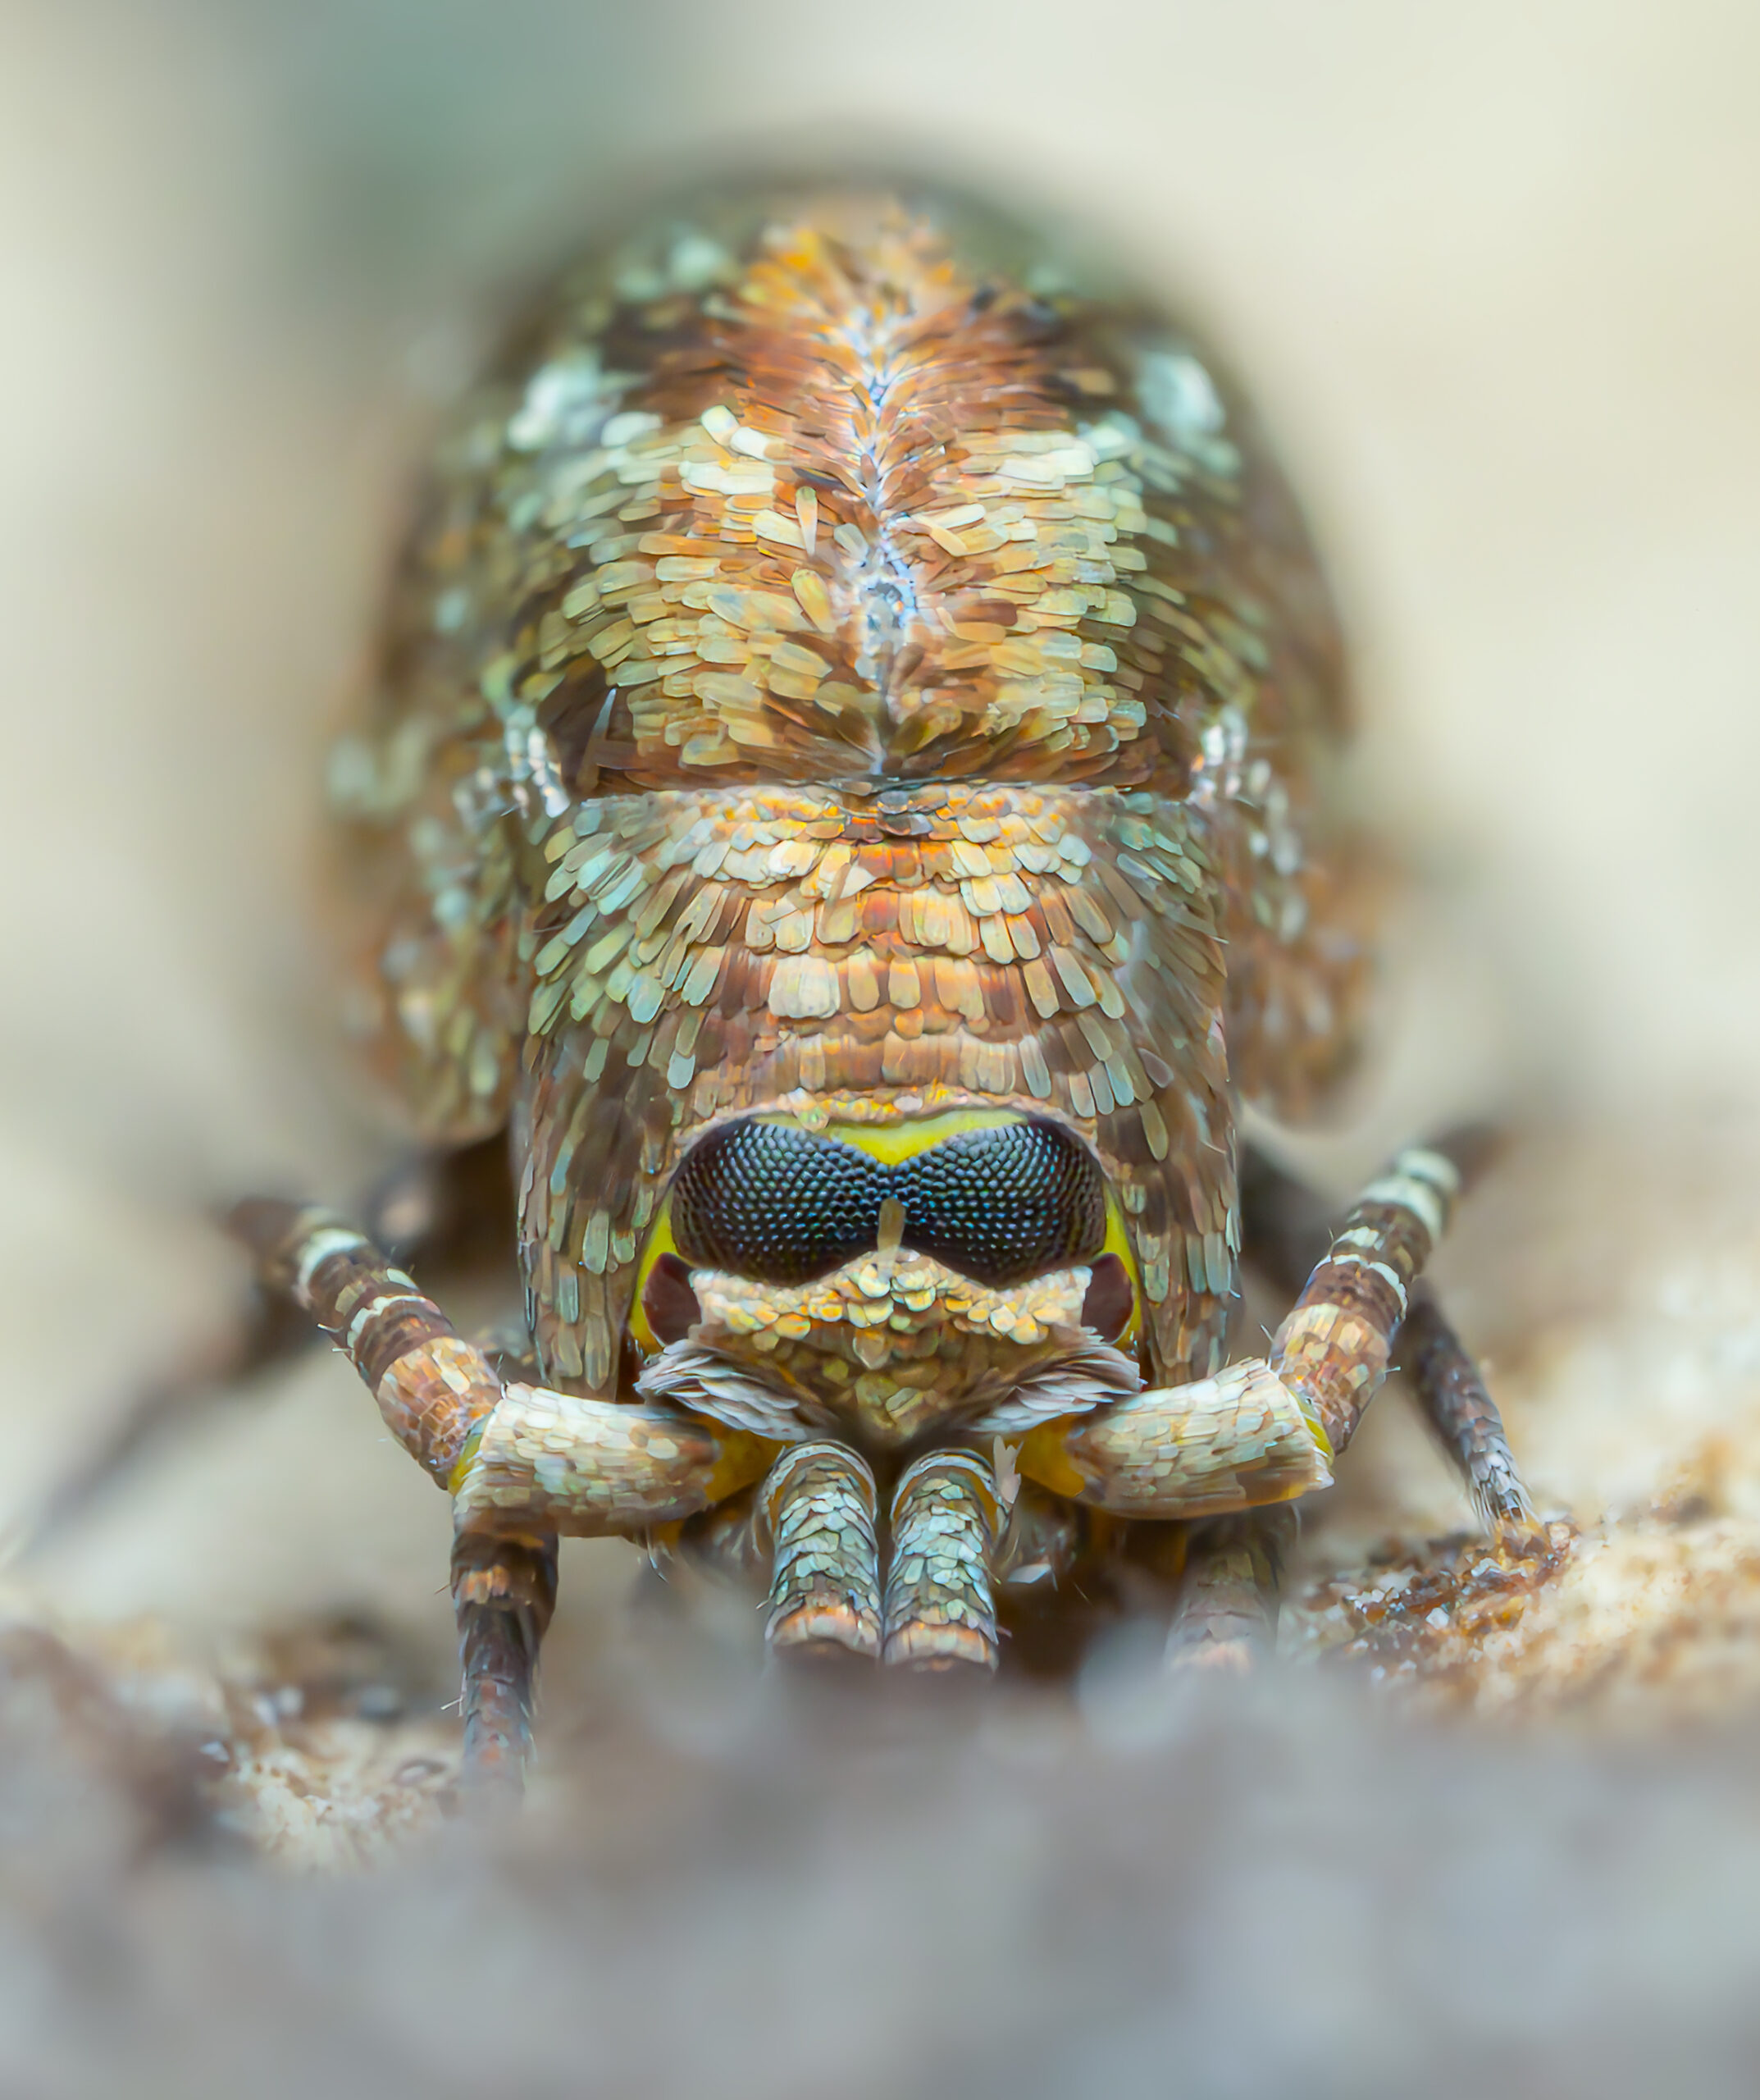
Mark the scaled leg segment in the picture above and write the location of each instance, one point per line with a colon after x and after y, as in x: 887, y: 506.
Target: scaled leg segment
x: 1225, y: 1617
x: 1220, y: 1444
x: 1451, y: 1395
x: 519, y: 1460
x: 941, y: 1609
x: 1334, y: 1349
x: 1278, y: 1215
x: 504, y: 1591
x: 1259, y: 1433
x: 522, y: 1462
x: 818, y: 1505
x: 433, y: 1387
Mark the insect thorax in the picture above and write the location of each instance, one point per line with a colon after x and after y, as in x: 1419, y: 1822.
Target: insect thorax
x: 858, y: 668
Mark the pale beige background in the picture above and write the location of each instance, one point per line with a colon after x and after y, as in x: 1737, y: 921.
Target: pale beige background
x: 1495, y: 273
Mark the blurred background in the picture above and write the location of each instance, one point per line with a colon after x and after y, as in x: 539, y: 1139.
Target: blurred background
x: 1495, y: 277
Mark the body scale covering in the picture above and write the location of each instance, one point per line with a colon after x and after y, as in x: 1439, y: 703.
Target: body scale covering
x: 856, y: 660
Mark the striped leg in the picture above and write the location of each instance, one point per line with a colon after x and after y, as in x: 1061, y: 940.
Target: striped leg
x: 519, y: 1460
x: 1451, y: 1395
x: 818, y: 1507
x: 522, y: 1462
x: 504, y: 1591
x: 1333, y: 1351
x: 1278, y: 1216
x: 940, y: 1611
x: 1260, y: 1432
x: 433, y: 1388
x: 450, y: 1204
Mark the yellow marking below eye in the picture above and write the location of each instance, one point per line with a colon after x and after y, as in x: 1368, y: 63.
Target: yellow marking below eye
x: 660, y: 1241
x: 466, y: 1457
x: 1118, y: 1241
x: 744, y: 1458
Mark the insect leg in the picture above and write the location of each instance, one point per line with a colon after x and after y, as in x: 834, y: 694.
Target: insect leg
x: 817, y: 1506
x: 1265, y: 1432
x: 940, y: 1610
x: 504, y: 1591
x: 433, y: 1387
x: 522, y: 1462
x: 1451, y: 1395
x: 1333, y: 1351
x: 519, y: 1460
x: 449, y: 1204
x: 548, y: 1461
x: 1280, y: 1222
x: 1218, y: 1444
x: 1225, y: 1616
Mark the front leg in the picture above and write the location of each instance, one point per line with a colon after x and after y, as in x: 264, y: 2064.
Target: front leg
x: 522, y: 1463
x: 947, y: 1517
x: 1149, y: 1455
x: 1265, y: 1431
x: 816, y: 1516
x: 435, y: 1389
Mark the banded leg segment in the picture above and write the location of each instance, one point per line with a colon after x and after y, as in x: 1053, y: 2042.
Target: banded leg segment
x: 433, y: 1387
x: 1261, y: 1433
x: 818, y: 1507
x: 519, y: 1460
x: 504, y: 1592
x: 1333, y: 1350
x: 940, y: 1610
x: 1451, y: 1395
x: 523, y: 1463
x: 1278, y: 1216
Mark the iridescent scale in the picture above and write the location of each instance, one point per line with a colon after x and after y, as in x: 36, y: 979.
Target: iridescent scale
x: 856, y: 663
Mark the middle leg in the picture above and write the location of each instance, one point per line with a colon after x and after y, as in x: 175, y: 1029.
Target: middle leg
x: 1225, y: 1613
x: 941, y: 1611
x: 816, y: 1510
x: 1285, y: 1238
x: 504, y: 1593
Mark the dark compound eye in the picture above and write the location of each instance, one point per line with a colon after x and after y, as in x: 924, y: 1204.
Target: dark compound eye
x: 775, y: 1203
x: 1006, y: 1204
x: 784, y: 1206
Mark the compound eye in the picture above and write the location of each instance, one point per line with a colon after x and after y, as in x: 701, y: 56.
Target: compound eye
x: 775, y: 1204
x: 1006, y: 1204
